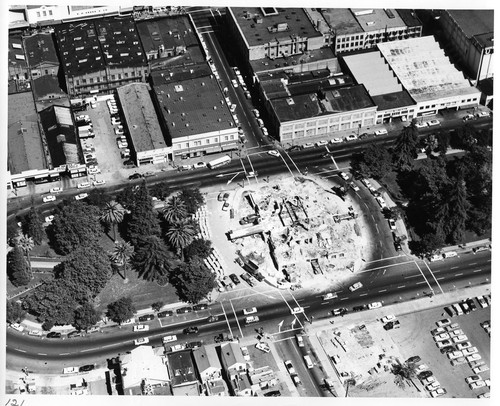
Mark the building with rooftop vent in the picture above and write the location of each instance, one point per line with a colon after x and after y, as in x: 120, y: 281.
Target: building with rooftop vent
x: 41, y: 54
x: 182, y: 373
x: 193, y: 112
x: 148, y: 142
x: 210, y: 370
x: 169, y: 42
x: 470, y: 34
x: 269, y: 32
x: 98, y: 56
x: 17, y: 65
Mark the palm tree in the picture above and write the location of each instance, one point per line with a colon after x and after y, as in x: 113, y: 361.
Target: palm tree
x: 26, y: 243
x: 175, y: 210
x: 404, y: 372
x: 113, y: 214
x: 121, y: 255
x: 180, y: 235
x: 152, y: 258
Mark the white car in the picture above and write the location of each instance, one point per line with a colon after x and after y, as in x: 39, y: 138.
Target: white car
x: 441, y: 337
x: 464, y: 346
x: 119, y: 132
x: 273, y: 152
x: 17, y: 327
x: 177, y: 347
x: 443, y: 322
x: 264, y: 131
x: 470, y: 351
x: 344, y: 176
x: 260, y: 122
x: 252, y: 319
x: 234, y: 82
x: 122, y: 144
x: 83, y: 185
x: 308, y: 145
x: 473, y: 378
x: 321, y: 143
x: 477, y: 384
x: 250, y: 310
x: 455, y: 354
x: 169, y: 339
x: 82, y: 117
x: 421, y: 125
x: 438, y: 330
x: 263, y: 346
x: 438, y: 392
x: 483, y: 114
x: 433, y: 386
x: 433, y: 123
x: 460, y: 338
x: 381, y: 132
x: 200, y: 165
x: 297, y: 310
x: 93, y: 171
x: 256, y: 113
x: 289, y: 367
x: 481, y: 368
x: 351, y: 137
x: 354, y: 187
x: 81, y: 196
x: 99, y: 182
x: 482, y: 302
x: 70, y: 370
x: 388, y: 318
x: 116, y: 121
x: 336, y: 140
x: 456, y: 333
x: 392, y: 224
x: 142, y: 340
x: 380, y: 200
x: 232, y: 109
x: 49, y: 219
x: 56, y: 190
x: 374, y: 305
x: 300, y: 340
x: 356, y: 286
x: 329, y: 296
x: 245, y: 353
x: 141, y: 327
x: 37, y: 333
x: 473, y: 357
x: 49, y: 198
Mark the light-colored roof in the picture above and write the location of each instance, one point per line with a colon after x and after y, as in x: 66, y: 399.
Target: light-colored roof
x: 231, y: 354
x: 424, y: 70
x: 371, y: 70
x: 141, y: 364
x: 140, y: 115
x: 205, y: 358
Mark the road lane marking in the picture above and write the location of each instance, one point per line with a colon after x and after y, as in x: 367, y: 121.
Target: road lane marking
x: 411, y: 276
x: 473, y: 263
x: 477, y: 270
x: 432, y: 274
x: 65, y: 353
x: 383, y: 290
x: 387, y: 266
x: 41, y: 353
x: 17, y: 349
x: 236, y: 318
x: 454, y: 267
x: 442, y: 277
x: 227, y: 320
x: 363, y: 294
x: 401, y: 287
x: 87, y: 350
x: 419, y: 283
x: 458, y: 274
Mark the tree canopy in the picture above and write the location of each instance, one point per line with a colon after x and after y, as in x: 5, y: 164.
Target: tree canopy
x: 85, y: 317
x: 17, y: 268
x: 14, y: 312
x: 405, y: 148
x: 199, y: 247
x: 193, y: 199
x: 373, y: 162
x: 74, y: 225
x: 121, y: 310
x: 33, y: 226
x: 193, y: 281
x: 152, y: 259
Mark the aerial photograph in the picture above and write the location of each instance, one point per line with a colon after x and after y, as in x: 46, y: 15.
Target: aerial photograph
x: 248, y: 201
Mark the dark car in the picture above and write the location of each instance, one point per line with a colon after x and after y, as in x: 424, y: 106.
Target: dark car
x: 147, y: 317
x: 447, y: 349
x: 471, y: 304
x: 87, y: 368
x: 273, y: 393
x: 295, y: 148
x: 397, y: 246
x: 414, y: 359
x: 74, y: 333
x: 339, y: 312
x: 54, y: 334
x: 259, y: 276
x: 194, y: 344
x: 166, y: 313
x: 190, y: 330
x: 424, y: 375
x: 200, y: 307
x: 129, y: 163
x: 359, y: 308
x: 449, y: 311
x: 235, y: 279
x: 186, y: 309
x: 248, y: 279
x: 134, y: 175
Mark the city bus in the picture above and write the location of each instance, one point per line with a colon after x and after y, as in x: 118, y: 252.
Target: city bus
x: 225, y: 160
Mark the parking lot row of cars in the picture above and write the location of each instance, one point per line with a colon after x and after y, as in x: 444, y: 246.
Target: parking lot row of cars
x: 426, y: 377
x: 468, y: 305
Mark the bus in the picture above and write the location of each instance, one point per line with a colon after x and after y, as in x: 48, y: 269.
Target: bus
x: 225, y: 160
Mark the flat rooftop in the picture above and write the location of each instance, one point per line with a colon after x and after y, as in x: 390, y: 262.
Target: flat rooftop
x: 17, y: 57
x: 424, y: 70
x: 193, y: 105
x: 141, y: 118
x: 261, y: 25
x: 311, y: 56
x: 181, y: 368
x: 377, y: 19
x: 341, y: 20
x: 394, y: 100
x: 40, y: 49
x: 339, y: 100
x: 25, y: 149
x: 79, y: 48
x: 475, y: 23
x: 120, y: 42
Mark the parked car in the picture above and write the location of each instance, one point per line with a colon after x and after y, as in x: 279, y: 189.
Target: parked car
x: 443, y: 322
x: 263, y: 346
x: 382, y: 131
x: 49, y: 198
x: 81, y: 196
x: 438, y: 392
x: 374, y: 305
x: 169, y: 339
x: 190, y: 330
x: 351, y: 137
x: 447, y: 349
x: 414, y: 359
x: 444, y: 343
x: 273, y: 152
x: 87, y: 368
x: 356, y: 286
x: 201, y: 306
x: 146, y: 317
x: 251, y: 319
x: 339, y: 311
x: 54, y: 334
x: 142, y: 340
x: 75, y: 333
x: 56, y: 190
x: 235, y: 279
x: 17, y: 327
x: 441, y: 337
x: 300, y: 340
x: 135, y: 176
x: 438, y: 330
x: 250, y: 310
x: 185, y: 309
x: 424, y: 375
x: 344, y: 176
x: 336, y: 140
x: 141, y: 327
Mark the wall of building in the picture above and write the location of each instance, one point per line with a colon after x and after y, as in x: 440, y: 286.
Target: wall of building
x: 206, y: 143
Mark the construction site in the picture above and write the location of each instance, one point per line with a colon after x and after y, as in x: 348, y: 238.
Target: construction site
x: 296, y: 232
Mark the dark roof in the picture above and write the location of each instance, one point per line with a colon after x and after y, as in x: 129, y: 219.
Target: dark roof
x: 40, y: 49
x: 474, y: 22
x: 45, y: 85
x: 25, y: 150
x: 181, y: 368
x: 16, y: 51
x: 339, y: 100
x: 193, y: 105
x: 60, y: 132
x: 263, y: 25
x: 409, y: 17
x: 79, y: 48
x: 393, y: 100
x: 169, y: 32
x: 120, y: 42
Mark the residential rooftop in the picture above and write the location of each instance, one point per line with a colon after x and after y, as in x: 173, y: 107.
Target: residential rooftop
x: 79, y: 48
x: 192, y: 105
x: 339, y: 100
x: 205, y: 358
x: 25, y: 149
x: 475, y: 23
x: 47, y: 85
x: 142, y: 364
x: 261, y: 25
x: 120, y: 42
x: 181, y: 368
x: 40, y: 49
x: 17, y: 56
x: 140, y: 116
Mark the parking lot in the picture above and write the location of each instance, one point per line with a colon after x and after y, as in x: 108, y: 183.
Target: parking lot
x: 416, y: 339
